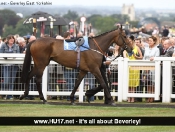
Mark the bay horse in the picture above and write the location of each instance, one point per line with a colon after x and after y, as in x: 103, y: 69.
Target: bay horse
x: 43, y: 50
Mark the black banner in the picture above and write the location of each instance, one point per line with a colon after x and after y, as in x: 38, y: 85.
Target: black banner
x: 132, y: 121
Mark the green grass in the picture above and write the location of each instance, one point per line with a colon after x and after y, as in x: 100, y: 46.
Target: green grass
x: 68, y: 110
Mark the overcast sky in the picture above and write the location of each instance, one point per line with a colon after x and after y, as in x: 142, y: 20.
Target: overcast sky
x: 166, y: 4
x: 162, y: 4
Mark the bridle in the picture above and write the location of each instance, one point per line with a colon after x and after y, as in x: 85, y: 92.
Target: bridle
x: 124, y: 48
x: 124, y: 41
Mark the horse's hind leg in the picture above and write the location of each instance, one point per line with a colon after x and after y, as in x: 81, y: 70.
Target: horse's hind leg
x: 77, y: 83
x: 39, y: 88
x: 38, y: 81
x: 26, y: 92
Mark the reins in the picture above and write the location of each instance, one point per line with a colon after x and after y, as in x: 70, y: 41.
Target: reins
x: 99, y: 47
x: 118, y: 55
x: 102, y: 51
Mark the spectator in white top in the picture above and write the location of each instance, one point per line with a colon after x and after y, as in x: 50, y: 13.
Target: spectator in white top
x: 155, y: 31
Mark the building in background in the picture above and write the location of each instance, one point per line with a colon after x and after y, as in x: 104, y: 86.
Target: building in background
x: 129, y: 10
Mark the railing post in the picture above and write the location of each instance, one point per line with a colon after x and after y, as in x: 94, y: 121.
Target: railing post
x: 81, y: 87
x: 167, y: 82
x: 45, y: 82
x: 125, y: 77
x: 157, y: 80
x: 120, y: 79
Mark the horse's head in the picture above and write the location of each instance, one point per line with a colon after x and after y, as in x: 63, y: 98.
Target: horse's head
x: 122, y: 41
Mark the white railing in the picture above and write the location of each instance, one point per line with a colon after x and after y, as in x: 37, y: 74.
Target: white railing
x: 142, y: 65
x: 123, y: 73
x: 167, y: 63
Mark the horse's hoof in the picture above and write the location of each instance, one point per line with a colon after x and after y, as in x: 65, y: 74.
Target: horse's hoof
x: 72, y: 103
x: 45, y: 102
x: 21, y: 97
x: 110, y: 103
x: 88, y: 99
x: 113, y: 104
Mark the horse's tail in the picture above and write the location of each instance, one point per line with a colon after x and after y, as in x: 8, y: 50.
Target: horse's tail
x: 26, y: 64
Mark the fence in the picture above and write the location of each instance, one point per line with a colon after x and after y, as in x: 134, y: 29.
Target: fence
x: 54, y: 82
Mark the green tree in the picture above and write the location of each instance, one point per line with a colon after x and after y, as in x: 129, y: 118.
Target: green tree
x: 20, y: 28
x: 9, y: 18
x: 71, y: 15
x: 92, y: 19
x: 1, y: 25
x: 103, y: 23
x: 8, y: 30
x: 23, y: 29
x: 121, y: 18
x: 133, y: 23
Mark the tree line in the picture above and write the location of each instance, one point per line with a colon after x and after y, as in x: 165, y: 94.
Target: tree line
x: 10, y: 23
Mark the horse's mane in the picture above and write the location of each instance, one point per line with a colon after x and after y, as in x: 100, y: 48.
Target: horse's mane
x: 103, y: 33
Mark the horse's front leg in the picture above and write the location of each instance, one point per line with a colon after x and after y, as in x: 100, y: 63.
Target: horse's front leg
x: 77, y: 83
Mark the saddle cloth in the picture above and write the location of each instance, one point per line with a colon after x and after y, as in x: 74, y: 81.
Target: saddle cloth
x: 73, y: 46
